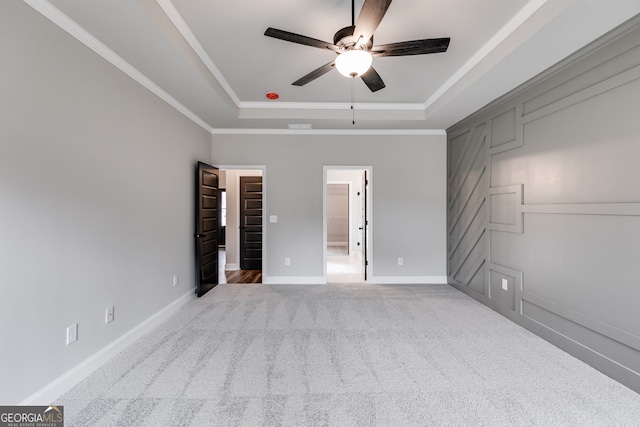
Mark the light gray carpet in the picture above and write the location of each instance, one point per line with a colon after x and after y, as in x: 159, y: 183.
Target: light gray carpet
x: 345, y: 355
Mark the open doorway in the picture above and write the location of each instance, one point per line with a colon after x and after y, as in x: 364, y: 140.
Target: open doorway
x: 346, y: 223
x: 240, y: 259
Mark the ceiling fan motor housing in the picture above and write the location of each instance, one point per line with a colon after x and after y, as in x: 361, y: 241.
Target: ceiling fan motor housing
x: 345, y: 39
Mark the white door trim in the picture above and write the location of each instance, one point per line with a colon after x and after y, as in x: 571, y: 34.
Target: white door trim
x: 263, y: 169
x: 369, y: 170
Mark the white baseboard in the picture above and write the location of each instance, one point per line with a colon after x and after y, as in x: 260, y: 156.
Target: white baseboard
x: 408, y: 280
x: 68, y: 380
x: 378, y: 280
x: 231, y: 267
x: 293, y: 280
x: 338, y: 244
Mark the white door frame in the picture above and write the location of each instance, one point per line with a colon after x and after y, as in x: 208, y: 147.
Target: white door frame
x: 369, y: 170
x: 263, y: 169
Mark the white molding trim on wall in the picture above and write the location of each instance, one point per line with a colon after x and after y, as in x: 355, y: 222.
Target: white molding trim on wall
x: 293, y: 280
x: 440, y: 132
x: 68, y: 380
x: 409, y: 280
x: 619, y: 209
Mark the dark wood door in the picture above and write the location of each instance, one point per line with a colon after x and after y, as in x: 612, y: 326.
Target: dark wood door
x: 251, y: 222
x: 365, y: 223
x: 207, y: 227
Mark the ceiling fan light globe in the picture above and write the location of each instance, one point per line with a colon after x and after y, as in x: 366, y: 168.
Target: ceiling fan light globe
x: 354, y: 63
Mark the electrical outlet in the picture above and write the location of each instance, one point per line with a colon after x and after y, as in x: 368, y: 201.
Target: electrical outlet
x: 175, y: 280
x: 400, y: 261
x: 287, y: 261
x: 109, y: 315
x: 72, y: 333
x: 505, y: 284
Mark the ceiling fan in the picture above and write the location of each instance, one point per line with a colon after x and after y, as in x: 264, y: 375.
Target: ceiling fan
x: 355, y: 49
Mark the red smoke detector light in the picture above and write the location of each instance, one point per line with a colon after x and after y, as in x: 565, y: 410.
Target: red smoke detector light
x: 272, y: 95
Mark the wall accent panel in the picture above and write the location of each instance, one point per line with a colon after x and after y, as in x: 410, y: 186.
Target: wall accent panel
x: 505, y: 206
x: 555, y: 246
x: 467, y: 211
x: 505, y: 286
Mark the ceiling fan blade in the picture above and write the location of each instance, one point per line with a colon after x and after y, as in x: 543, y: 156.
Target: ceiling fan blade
x: 297, y: 38
x: 413, y: 47
x: 373, y: 80
x: 315, y: 74
x: 370, y: 16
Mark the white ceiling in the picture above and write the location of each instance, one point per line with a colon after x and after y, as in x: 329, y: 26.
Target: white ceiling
x: 211, y: 60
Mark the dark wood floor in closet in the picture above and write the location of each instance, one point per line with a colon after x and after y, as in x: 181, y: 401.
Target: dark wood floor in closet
x: 244, y: 276
x: 236, y: 276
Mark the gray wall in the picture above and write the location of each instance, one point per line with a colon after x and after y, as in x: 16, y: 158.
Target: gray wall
x: 543, y: 194
x: 408, y: 196
x: 96, y: 190
x: 337, y: 207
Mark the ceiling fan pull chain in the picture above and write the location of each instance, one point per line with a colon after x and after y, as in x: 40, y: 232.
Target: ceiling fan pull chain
x: 353, y: 13
x: 353, y: 100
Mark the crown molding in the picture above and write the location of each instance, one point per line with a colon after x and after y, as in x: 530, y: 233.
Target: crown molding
x: 503, y: 34
x: 53, y: 14
x: 180, y: 24
x: 336, y: 111
x: 440, y: 132
x: 331, y: 106
x: 330, y: 111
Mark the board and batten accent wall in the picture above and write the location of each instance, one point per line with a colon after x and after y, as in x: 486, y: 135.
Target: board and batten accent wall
x: 544, y: 205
